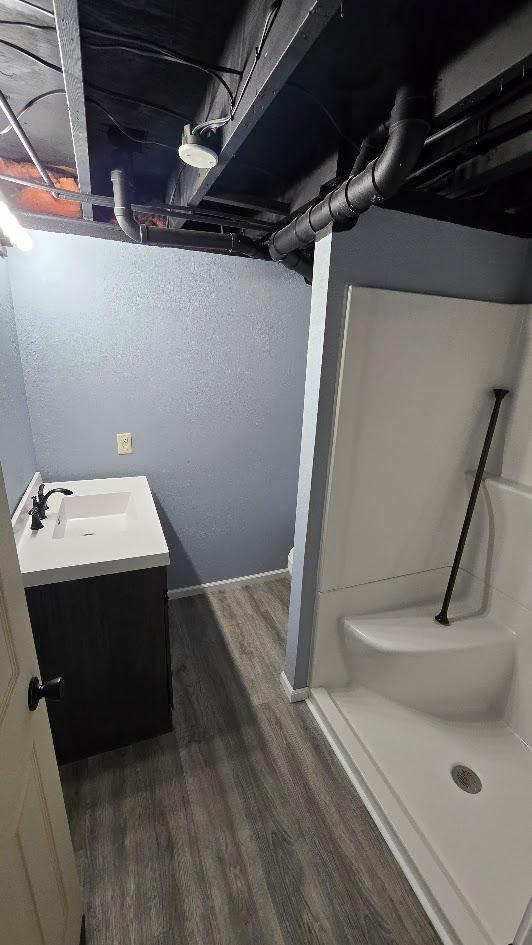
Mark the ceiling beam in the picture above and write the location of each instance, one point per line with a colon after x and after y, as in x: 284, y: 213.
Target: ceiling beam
x: 295, y: 29
x: 72, y: 225
x: 509, y: 157
x: 248, y: 202
x: 487, y: 64
x: 470, y: 213
x: 67, y: 26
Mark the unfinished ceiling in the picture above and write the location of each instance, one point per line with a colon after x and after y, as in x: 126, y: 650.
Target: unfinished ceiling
x: 301, y: 83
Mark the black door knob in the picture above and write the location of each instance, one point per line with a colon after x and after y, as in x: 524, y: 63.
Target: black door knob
x: 51, y: 691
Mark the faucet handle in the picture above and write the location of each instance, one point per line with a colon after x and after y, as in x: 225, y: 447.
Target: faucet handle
x: 35, y: 513
x: 40, y: 494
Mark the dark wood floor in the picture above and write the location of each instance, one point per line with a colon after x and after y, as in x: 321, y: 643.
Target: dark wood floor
x: 240, y: 828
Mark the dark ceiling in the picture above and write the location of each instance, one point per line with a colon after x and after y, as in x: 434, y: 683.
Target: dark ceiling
x: 354, y: 70
x: 22, y: 78
x: 334, y: 92
x: 197, y: 28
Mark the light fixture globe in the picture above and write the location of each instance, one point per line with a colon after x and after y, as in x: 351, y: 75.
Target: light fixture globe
x: 11, y: 229
x: 195, y: 152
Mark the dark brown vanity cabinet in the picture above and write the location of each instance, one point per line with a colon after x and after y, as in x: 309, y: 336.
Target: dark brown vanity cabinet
x: 108, y: 638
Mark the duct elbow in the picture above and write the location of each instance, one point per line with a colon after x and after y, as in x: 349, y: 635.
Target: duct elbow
x: 298, y: 263
x: 408, y: 129
x: 128, y: 225
x: 379, y: 180
x: 122, y: 206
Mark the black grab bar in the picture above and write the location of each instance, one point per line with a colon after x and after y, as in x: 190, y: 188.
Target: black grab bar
x: 498, y: 393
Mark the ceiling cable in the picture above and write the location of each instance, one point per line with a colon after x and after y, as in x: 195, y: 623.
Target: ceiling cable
x: 137, y: 138
x: 325, y: 110
x: 121, y: 96
x: 97, y: 88
x: 215, y: 123
x: 163, y: 51
x: 91, y: 101
x: 34, y: 6
x: 139, y: 46
x: 25, y: 108
x: 164, y: 56
x: 30, y: 55
x: 30, y: 26
x: 24, y: 140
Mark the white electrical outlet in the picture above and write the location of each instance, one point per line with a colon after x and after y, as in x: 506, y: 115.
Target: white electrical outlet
x: 124, y: 442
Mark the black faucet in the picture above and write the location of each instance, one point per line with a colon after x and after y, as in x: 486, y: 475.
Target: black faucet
x: 40, y: 505
x: 43, y: 497
x: 35, y: 513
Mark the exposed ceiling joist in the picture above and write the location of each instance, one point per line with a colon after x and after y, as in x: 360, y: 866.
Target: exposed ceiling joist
x: 479, y: 69
x: 77, y: 227
x: 295, y: 29
x: 248, y: 202
x: 67, y: 26
x: 469, y: 213
x: 296, y: 104
x: 510, y: 157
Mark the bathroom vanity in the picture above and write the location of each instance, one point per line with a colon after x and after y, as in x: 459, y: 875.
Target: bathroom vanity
x: 95, y: 579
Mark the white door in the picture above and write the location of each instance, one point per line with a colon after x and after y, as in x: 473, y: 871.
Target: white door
x: 40, y: 899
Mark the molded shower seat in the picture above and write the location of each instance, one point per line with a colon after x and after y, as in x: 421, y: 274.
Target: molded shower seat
x: 462, y: 670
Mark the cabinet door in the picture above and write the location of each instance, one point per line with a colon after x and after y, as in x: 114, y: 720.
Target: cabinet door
x: 107, y: 637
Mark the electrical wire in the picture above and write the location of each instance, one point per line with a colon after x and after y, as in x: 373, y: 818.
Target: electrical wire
x: 34, y: 6
x: 30, y: 26
x: 152, y: 50
x: 29, y: 105
x: 24, y: 140
x: 138, y: 139
x: 164, y: 56
x: 149, y: 50
x: 98, y: 88
x: 121, y: 96
x: 325, y: 110
x: 215, y: 123
x: 91, y: 101
x: 163, y: 51
x: 30, y: 55
x: 140, y: 46
x: 174, y: 188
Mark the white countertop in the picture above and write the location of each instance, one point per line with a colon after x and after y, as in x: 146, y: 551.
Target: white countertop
x: 116, y: 529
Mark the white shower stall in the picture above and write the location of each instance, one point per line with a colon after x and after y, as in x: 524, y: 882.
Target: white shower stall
x: 433, y: 723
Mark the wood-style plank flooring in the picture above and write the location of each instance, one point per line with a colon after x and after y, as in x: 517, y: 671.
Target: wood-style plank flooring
x: 240, y: 827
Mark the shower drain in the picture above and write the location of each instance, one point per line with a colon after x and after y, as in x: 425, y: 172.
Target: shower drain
x: 466, y: 779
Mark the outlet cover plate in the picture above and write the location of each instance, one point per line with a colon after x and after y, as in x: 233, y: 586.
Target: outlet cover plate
x: 124, y: 442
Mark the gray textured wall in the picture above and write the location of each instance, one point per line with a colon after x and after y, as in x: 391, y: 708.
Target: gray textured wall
x: 201, y: 357
x: 386, y: 250
x: 391, y: 250
x: 16, y: 445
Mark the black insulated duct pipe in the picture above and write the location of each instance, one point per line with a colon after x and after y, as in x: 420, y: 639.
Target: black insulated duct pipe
x: 407, y: 129
x: 228, y: 243
x: 299, y: 264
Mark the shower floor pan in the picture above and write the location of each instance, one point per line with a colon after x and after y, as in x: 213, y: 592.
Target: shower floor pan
x: 467, y: 855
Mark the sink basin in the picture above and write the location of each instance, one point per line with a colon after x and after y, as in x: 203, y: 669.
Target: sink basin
x: 90, y: 515
x: 107, y: 526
